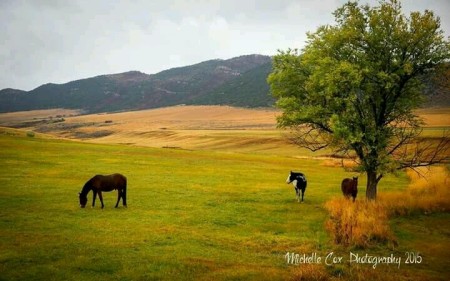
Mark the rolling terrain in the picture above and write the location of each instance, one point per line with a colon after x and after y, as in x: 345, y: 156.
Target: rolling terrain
x: 184, y: 127
x: 239, y: 81
x: 207, y: 200
x: 192, y: 215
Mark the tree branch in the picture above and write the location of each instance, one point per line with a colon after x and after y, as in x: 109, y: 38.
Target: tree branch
x: 307, y: 137
x: 426, y: 152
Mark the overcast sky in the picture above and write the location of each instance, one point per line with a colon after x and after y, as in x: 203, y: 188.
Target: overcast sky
x: 59, y: 41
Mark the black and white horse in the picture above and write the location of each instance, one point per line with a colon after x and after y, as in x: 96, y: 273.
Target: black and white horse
x: 299, y: 181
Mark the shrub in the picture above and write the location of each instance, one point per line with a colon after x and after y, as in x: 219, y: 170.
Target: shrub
x: 30, y: 134
x: 363, y: 223
x: 427, y: 192
x: 359, y: 223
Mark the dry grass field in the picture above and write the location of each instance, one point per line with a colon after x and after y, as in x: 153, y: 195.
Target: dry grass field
x: 185, y: 127
x: 435, y: 117
x: 16, y: 118
x: 186, y: 118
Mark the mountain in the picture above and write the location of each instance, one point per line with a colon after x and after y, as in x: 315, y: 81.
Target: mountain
x: 240, y: 81
x: 247, y: 90
x: 243, y: 79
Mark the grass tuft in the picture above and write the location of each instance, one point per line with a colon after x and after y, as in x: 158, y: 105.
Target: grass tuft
x: 358, y: 223
x: 365, y: 223
x: 428, y: 192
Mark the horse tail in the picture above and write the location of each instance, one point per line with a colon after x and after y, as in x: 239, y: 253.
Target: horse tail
x: 124, y: 195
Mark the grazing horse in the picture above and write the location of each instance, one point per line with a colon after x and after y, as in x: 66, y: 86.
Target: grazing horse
x: 350, y: 187
x: 299, y: 181
x: 101, y: 183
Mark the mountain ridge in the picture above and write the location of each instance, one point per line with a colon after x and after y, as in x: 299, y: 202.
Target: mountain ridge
x: 239, y: 81
x: 134, y: 90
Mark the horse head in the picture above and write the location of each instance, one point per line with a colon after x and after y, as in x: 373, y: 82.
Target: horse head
x: 83, y: 200
x: 291, y: 177
x: 295, y: 176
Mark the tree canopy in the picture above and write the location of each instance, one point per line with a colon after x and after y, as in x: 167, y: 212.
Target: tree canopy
x: 355, y: 84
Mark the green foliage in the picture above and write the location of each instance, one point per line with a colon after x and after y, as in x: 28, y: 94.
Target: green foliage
x: 247, y: 90
x: 356, y: 83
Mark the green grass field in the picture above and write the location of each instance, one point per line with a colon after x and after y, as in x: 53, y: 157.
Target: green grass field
x: 192, y: 215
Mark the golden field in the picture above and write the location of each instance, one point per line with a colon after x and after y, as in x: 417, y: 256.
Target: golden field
x: 187, y: 127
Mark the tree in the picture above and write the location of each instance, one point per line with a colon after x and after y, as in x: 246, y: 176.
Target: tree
x: 355, y: 84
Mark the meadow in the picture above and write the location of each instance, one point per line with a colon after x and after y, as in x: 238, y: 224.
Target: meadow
x: 211, y: 214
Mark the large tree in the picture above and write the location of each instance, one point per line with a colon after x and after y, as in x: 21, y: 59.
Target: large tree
x: 355, y: 84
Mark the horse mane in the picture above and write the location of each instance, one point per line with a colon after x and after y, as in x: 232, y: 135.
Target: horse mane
x: 87, y: 187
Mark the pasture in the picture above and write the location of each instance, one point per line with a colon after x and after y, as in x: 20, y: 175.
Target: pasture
x: 219, y: 209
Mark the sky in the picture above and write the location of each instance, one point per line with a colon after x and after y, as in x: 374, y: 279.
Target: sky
x: 57, y: 41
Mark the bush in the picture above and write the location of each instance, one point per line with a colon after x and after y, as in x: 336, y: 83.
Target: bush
x: 30, y: 134
x: 427, y: 192
x: 363, y: 223
x: 359, y: 223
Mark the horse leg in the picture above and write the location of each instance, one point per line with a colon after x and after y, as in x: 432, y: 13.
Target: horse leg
x: 94, y: 196
x: 119, y: 194
x: 124, y: 196
x: 101, y: 198
x: 303, y: 193
x: 297, y: 194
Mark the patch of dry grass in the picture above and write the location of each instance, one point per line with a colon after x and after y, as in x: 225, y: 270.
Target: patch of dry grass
x: 363, y: 222
x: 429, y: 191
x: 11, y: 118
x: 335, y: 162
x: 435, y: 117
x: 358, y: 223
x: 315, y: 272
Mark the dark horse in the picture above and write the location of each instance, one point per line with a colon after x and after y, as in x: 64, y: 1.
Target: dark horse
x: 350, y: 187
x: 101, y: 183
x: 299, y: 181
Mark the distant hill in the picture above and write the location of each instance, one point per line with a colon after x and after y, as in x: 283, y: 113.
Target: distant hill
x: 239, y: 81
x: 247, y: 90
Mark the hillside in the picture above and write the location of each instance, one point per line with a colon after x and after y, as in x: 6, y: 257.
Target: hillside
x: 136, y: 90
x: 222, y: 128
x: 247, y: 90
x: 239, y: 81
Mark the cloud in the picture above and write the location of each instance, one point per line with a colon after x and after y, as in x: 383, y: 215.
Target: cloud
x: 59, y: 41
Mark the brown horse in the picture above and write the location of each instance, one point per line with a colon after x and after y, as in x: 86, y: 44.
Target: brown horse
x: 107, y: 183
x: 350, y: 187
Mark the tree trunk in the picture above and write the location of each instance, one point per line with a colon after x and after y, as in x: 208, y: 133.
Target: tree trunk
x: 372, y: 182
